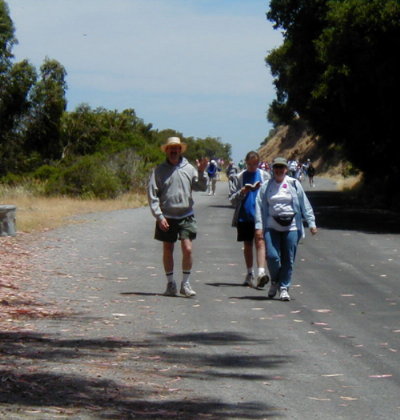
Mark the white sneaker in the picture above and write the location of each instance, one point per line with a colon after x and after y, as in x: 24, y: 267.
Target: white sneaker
x: 249, y: 281
x: 187, y: 291
x: 273, y: 289
x: 262, y: 280
x: 171, y: 289
x: 284, y: 294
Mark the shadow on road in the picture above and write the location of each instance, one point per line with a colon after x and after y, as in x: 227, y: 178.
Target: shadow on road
x: 222, y: 338
x: 222, y: 284
x: 222, y: 206
x: 339, y: 210
x: 75, y: 376
x: 265, y: 297
x: 336, y: 210
x: 141, y: 294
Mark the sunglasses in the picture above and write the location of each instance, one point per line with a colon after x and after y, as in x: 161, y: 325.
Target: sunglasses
x: 279, y: 166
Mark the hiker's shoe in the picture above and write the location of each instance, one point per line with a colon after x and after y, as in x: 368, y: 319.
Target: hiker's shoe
x: 187, y: 291
x: 171, y: 289
x: 273, y: 289
x: 262, y: 280
x: 249, y: 281
x: 284, y: 294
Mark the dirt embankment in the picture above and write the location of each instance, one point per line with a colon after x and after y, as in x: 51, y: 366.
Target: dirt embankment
x: 298, y: 142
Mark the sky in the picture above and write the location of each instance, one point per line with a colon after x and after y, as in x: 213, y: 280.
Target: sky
x: 195, y: 66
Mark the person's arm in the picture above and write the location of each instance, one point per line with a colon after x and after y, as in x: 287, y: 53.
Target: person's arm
x: 258, y: 217
x: 153, y: 198
x: 306, y: 208
x: 259, y: 225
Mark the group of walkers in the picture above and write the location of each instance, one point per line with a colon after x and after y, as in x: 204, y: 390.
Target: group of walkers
x: 296, y: 169
x: 270, y: 207
x: 300, y: 170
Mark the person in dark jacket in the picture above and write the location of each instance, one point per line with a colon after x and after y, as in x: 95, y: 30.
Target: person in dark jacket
x: 212, y: 172
x: 310, y: 174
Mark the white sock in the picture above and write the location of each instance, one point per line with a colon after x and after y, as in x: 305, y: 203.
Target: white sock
x: 170, y: 277
x: 250, y: 270
x: 261, y: 271
x: 185, y: 277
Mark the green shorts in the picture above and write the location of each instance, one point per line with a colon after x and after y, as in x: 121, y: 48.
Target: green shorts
x: 185, y: 228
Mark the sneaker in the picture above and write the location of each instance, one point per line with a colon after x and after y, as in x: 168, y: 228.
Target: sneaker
x: 273, y: 289
x: 284, y: 295
x: 262, y: 280
x: 249, y: 281
x: 187, y: 291
x: 171, y: 289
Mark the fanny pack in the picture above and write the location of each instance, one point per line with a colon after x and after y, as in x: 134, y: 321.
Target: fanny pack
x: 285, y: 220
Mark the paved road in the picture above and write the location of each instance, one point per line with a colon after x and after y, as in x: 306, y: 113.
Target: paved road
x: 229, y: 353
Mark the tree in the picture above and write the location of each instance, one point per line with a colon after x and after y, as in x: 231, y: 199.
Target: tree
x: 48, y: 105
x: 81, y: 131
x: 294, y: 64
x: 7, y: 39
x: 337, y: 69
x: 16, y: 81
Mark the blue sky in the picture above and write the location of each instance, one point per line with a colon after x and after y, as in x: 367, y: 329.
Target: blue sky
x: 196, y: 66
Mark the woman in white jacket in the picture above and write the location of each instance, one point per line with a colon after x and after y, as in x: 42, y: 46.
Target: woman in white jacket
x: 281, y: 206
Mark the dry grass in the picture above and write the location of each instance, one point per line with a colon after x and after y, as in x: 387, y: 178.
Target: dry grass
x: 38, y: 213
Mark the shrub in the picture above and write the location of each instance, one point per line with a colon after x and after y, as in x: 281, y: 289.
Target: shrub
x: 88, y: 177
x: 45, y: 172
x: 11, y: 179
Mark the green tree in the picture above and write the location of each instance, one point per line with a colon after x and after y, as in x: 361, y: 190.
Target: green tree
x: 7, y: 39
x: 48, y: 105
x: 209, y: 147
x: 81, y: 131
x: 16, y: 81
x: 294, y: 64
x: 86, y: 131
x: 337, y: 69
x: 15, y: 106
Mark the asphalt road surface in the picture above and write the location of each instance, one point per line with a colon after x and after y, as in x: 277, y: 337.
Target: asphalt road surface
x: 332, y: 352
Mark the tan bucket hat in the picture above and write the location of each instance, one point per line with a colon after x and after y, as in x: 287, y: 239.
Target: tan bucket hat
x: 280, y: 161
x: 174, y: 141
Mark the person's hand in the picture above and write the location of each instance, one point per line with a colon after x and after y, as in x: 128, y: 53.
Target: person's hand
x: 244, y: 190
x: 163, y: 224
x: 201, y: 164
x: 313, y: 230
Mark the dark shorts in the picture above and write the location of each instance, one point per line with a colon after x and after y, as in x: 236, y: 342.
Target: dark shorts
x: 245, y: 231
x: 178, y: 229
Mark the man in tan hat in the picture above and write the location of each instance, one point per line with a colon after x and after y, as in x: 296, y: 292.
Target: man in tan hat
x: 171, y: 203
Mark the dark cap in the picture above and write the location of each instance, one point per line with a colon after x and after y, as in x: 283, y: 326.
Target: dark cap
x: 280, y: 161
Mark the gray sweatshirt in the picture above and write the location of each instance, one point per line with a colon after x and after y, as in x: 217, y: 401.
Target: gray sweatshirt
x: 170, y: 189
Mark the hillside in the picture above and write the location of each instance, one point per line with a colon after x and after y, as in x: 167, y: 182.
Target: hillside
x: 298, y: 142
